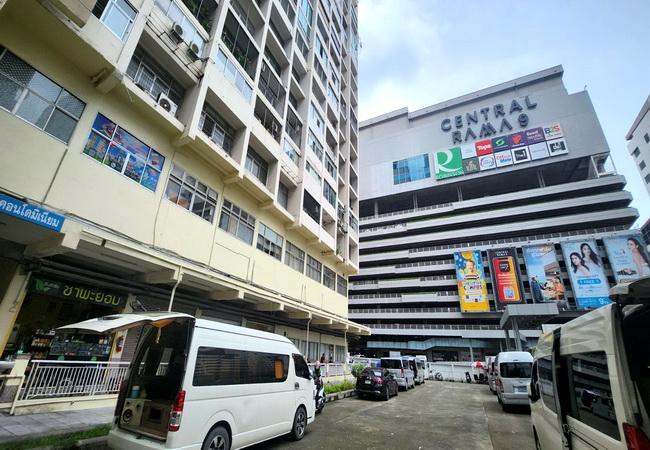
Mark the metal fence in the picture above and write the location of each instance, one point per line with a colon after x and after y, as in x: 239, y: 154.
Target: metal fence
x: 332, y: 369
x: 53, y: 379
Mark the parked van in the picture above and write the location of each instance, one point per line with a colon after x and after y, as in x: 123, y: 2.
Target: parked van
x: 401, y: 371
x: 425, y: 366
x: 590, y: 385
x: 513, y: 377
x: 418, y: 368
x: 198, y: 384
x: 491, y: 373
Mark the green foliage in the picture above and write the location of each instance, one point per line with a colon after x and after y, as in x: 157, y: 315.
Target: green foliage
x: 57, y: 441
x: 339, y: 387
x: 357, y: 369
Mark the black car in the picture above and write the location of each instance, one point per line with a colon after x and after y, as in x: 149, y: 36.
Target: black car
x: 376, y: 381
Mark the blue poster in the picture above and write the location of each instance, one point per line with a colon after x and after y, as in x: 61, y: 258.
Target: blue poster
x: 30, y: 213
x: 585, y: 267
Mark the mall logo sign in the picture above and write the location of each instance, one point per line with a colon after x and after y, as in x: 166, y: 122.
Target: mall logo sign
x: 449, y: 163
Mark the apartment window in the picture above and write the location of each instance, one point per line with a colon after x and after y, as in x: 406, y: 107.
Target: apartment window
x: 256, y: 165
x: 647, y: 179
x: 315, y: 146
x: 234, y: 74
x: 341, y: 285
x: 311, y: 207
x: 642, y: 165
x: 314, y: 268
x: 646, y: 138
x: 321, y: 49
x: 152, y: 78
x: 291, y: 152
x: 189, y: 193
x: 294, y: 257
x: 191, y: 33
x: 203, y: 10
x: 30, y: 95
x: 547, y: 392
x: 316, y: 119
x: 329, y: 193
x: 636, y: 152
x: 237, y: 222
x: 117, y: 15
x: 216, y: 128
x: 329, y: 278
x: 411, y: 169
x: 121, y: 151
x: 269, y: 242
x: 240, y: 45
x: 313, y: 172
x: 283, y: 196
x: 330, y: 166
x: 225, y: 366
x: 305, y: 16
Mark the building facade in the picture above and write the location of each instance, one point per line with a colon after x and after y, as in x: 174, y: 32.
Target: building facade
x: 639, y: 143
x: 193, y: 155
x: 464, y: 202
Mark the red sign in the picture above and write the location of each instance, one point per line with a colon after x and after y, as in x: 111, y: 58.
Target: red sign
x: 517, y: 139
x: 484, y: 147
x: 505, y: 276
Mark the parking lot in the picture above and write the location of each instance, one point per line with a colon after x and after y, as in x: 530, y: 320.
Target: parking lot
x: 436, y: 415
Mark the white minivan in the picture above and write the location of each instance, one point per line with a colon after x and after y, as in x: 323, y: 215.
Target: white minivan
x: 400, y: 369
x: 512, y: 377
x: 590, y: 386
x: 199, y: 384
x: 491, y: 374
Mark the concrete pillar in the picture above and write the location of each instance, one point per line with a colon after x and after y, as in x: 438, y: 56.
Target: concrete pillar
x: 376, y: 205
x: 507, y: 340
x: 515, y: 329
x: 13, y: 287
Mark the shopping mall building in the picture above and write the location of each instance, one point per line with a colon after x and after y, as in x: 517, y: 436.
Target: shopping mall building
x: 198, y: 155
x: 482, y: 202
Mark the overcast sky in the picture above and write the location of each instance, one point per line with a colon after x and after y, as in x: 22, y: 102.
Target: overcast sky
x: 419, y: 52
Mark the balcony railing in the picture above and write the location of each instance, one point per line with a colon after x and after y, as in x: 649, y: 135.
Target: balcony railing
x: 268, y: 120
x: 430, y: 326
x: 216, y: 128
x: 232, y: 72
x: 270, y: 86
x: 439, y: 309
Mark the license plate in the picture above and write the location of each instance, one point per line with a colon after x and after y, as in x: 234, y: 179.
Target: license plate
x: 367, y: 381
x: 520, y: 388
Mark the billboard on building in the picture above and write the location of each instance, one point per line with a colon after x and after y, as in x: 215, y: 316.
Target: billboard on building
x: 628, y: 257
x: 449, y: 163
x: 544, y: 275
x: 505, y: 276
x: 585, y: 267
x: 472, y: 288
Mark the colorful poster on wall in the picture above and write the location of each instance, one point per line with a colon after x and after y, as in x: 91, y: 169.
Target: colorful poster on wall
x: 628, y: 257
x: 472, y: 288
x: 449, y: 163
x: 505, y: 276
x: 585, y: 267
x: 545, y: 275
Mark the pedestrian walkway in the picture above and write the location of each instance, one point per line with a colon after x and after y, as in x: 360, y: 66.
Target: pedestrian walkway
x: 16, y: 428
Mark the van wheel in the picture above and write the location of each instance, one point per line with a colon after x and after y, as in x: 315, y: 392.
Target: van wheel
x: 217, y: 439
x: 299, y: 424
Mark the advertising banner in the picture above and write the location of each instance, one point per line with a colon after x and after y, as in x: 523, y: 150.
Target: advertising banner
x: 628, y: 257
x: 557, y: 147
x: 505, y: 276
x: 538, y: 151
x: 472, y: 289
x: 500, y: 144
x: 483, y: 147
x: 544, y: 275
x: 487, y: 162
x: 534, y: 135
x: 520, y: 154
x: 503, y: 158
x: 448, y: 163
x: 585, y: 267
x: 552, y: 131
x: 470, y: 165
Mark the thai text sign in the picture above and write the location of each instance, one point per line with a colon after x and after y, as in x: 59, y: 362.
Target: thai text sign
x: 76, y: 292
x: 30, y: 213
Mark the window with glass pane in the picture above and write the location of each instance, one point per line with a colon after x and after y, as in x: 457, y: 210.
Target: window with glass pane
x: 189, y: 193
x: 153, y: 79
x: 115, y: 147
x: 411, y: 169
x: 545, y: 372
x: 342, y: 285
x: 256, y: 165
x: 311, y: 207
x: 314, y: 268
x: 329, y: 193
x: 117, y: 15
x: 330, y: 166
x: 305, y: 15
x: 313, y: 172
x: 269, y: 242
x: 216, y: 128
x: 224, y: 366
x: 315, y: 146
x: 283, y: 196
x: 291, y: 152
x: 316, y: 119
x: 329, y: 278
x: 242, y: 48
x: 237, y: 222
x: 32, y: 96
x: 294, y: 257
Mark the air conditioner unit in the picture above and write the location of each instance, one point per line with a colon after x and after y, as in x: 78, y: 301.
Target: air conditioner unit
x: 166, y: 104
x: 177, y: 32
x: 193, y: 50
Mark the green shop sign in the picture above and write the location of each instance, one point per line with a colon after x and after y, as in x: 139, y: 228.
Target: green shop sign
x: 449, y: 163
x: 83, y: 294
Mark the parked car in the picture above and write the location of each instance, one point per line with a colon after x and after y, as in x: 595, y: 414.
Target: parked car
x: 401, y: 371
x: 513, y: 377
x: 491, y: 374
x: 590, y: 384
x: 377, y: 382
x: 201, y: 384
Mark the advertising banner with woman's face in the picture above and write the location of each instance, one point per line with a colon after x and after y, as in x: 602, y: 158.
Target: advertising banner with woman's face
x: 505, y: 276
x: 472, y: 288
x: 628, y: 257
x: 585, y: 267
x: 544, y: 275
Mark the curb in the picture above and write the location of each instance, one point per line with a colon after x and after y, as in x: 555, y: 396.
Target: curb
x: 96, y: 443
x: 340, y: 395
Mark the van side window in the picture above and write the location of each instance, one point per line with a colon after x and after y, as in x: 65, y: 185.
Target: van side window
x: 545, y: 372
x: 302, y: 369
x: 590, y: 391
x: 224, y: 366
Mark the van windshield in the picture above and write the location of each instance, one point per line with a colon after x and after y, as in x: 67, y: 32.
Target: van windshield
x: 636, y: 334
x: 391, y: 363
x: 515, y: 370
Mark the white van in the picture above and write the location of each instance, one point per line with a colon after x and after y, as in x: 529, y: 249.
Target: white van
x: 513, y: 377
x: 491, y: 374
x: 425, y: 367
x: 198, y: 384
x: 400, y: 369
x: 590, y: 386
x: 418, y: 368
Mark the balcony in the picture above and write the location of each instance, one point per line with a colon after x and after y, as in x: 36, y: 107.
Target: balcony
x: 293, y: 127
x: 193, y: 18
x: 269, y: 85
x: 268, y: 120
x: 240, y: 44
x: 233, y: 73
x: 216, y: 129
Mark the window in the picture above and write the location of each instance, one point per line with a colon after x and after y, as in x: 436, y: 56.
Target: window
x: 237, y: 222
x: 315, y: 146
x: 291, y: 152
x: 203, y: 10
x: 647, y: 179
x: 646, y: 138
x: 642, y: 165
x: 313, y: 172
x: 590, y: 392
x: 294, y: 257
x: 269, y: 242
x: 32, y: 96
x: 189, y: 193
x: 515, y: 370
x: 330, y: 165
x: 232, y: 73
x: 256, y: 165
x: 240, y: 45
x: 302, y: 369
x: 121, y: 151
x: 311, y: 207
x: 117, y: 15
x: 305, y: 15
x: 636, y: 152
x: 314, y: 268
x: 546, y: 389
x: 283, y: 196
x: 191, y: 33
x: 216, y: 128
x: 342, y: 285
x: 224, y: 366
x: 316, y: 120
x: 329, y: 278
x: 411, y: 169
x: 320, y: 49
x: 153, y: 79
x: 329, y: 193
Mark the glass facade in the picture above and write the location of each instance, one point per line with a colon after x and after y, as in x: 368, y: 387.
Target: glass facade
x: 411, y: 169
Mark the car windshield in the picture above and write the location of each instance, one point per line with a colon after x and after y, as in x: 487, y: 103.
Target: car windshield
x: 637, y: 333
x: 391, y: 363
x: 515, y: 370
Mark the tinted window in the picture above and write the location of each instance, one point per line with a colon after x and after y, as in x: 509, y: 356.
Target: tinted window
x: 221, y: 366
x: 391, y: 363
x: 302, y: 370
x: 545, y: 371
x: 515, y: 370
x: 590, y: 391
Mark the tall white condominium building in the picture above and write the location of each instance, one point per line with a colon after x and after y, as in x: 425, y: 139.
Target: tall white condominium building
x: 520, y: 164
x: 639, y: 143
x: 199, y: 151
